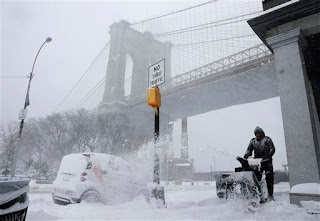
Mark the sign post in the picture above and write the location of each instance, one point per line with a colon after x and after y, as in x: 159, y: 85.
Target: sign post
x: 23, y: 114
x: 156, y: 76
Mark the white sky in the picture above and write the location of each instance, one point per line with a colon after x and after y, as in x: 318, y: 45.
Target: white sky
x: 225, y: 133
x: 79, y: 30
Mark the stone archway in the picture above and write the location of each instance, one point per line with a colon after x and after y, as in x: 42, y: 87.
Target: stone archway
x: 143, y: 49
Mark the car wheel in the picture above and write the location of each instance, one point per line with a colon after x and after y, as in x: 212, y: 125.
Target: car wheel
x: 91, y: 196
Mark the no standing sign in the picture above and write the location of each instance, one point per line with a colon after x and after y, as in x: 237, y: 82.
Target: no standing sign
x: 156, y: 74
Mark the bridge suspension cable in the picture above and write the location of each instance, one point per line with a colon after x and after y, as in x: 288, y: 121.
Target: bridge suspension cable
x: 204, y: 33
x: 199, y: 35
x: 206, y: 25
x: 84, y: 74
x: 91, y: 93
x: 172, y: 13
x: 223, y: 39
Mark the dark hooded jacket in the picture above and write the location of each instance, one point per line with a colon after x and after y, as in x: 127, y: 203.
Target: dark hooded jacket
x: 263, y: 148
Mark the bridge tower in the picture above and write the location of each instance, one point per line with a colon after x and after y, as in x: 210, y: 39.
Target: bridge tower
x: 144, y: 51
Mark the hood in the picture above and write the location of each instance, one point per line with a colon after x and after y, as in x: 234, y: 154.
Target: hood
x: 259, y: 130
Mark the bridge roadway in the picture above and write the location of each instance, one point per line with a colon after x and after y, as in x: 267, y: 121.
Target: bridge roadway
x: 242, y: 78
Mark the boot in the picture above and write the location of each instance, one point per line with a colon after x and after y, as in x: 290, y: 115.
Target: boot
x: 271, y: 198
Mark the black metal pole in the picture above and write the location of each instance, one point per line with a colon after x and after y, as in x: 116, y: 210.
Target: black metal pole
x: 157, y: 192
x: 156, y: 168
x: 26, y: 103
x: 27, y: 96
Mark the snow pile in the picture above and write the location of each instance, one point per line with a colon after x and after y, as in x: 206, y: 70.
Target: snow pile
x: 189, y: 203
x: 306, y: 188
x: 311, y: 206
x: 39, y: 188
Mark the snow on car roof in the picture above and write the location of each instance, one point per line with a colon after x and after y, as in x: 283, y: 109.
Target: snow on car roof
x: 93, y: 155
x: 76, y: 162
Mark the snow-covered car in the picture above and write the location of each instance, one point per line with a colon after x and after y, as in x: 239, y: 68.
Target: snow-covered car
x: 96, y: 177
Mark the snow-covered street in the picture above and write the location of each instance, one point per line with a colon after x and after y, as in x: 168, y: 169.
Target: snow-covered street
x: 160, y: 110
x: 184, y: 202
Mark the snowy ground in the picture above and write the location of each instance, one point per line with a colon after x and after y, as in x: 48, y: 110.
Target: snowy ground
x: 184, y: 202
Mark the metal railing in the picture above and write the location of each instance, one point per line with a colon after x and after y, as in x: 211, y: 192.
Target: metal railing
x: 221, y: 65
x: 247, y: 56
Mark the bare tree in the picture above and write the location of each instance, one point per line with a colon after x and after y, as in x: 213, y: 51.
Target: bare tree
x: 55, y: 130
x: 46, y: 140
x: 35, y: 151
x: 83, y: 130
x: 8, y: 142
x: 112, y: 129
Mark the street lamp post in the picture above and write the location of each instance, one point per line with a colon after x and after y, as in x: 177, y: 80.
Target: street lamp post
x: 26, y: 104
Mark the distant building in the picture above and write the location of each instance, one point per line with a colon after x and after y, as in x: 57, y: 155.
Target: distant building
x: 174, y: 169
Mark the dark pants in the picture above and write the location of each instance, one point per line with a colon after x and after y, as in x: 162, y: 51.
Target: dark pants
x: 268, y: 169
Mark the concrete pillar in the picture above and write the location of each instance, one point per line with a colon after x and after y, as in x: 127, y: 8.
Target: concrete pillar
x: 300, y: 119
x: 170, y: 132
x: 184, y: 138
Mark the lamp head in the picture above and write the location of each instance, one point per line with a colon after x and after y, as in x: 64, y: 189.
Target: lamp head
x: 48, y: 39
